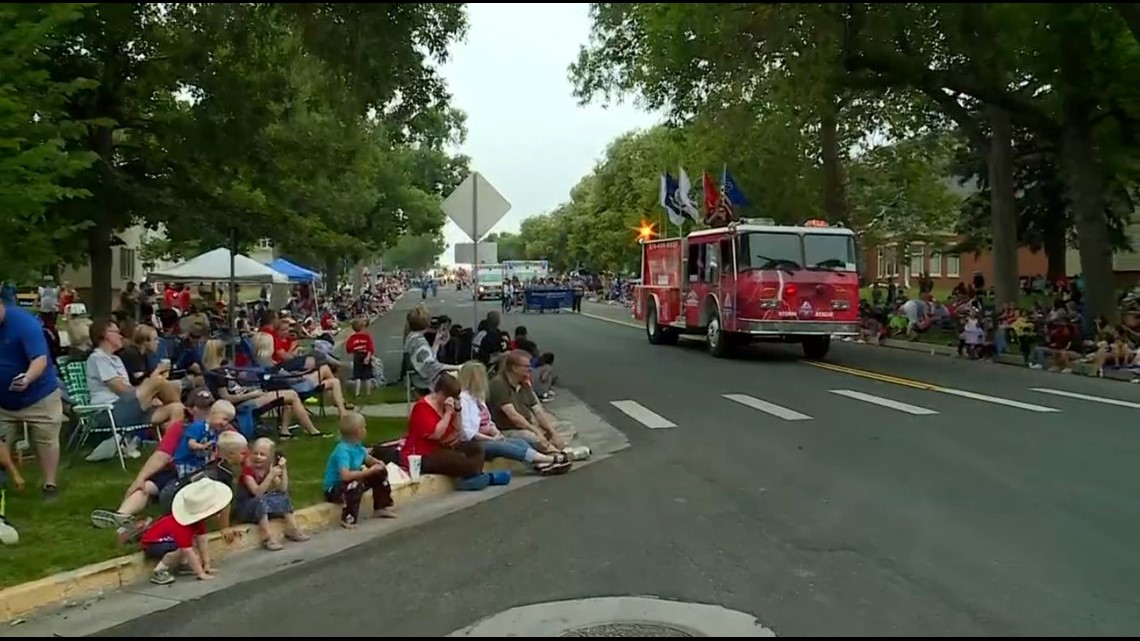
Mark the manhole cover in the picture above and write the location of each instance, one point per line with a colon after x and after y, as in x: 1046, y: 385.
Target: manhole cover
x: 627, y: 630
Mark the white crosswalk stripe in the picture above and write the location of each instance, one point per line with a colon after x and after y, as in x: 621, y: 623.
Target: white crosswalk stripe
x: 884, y: 402
x: 768, y: 408
x: 997, y: 400
x: 1087, y: 397
x: 643, y: 415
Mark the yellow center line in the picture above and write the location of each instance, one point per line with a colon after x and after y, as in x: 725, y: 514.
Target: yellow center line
x: 875, y: 376
x: 841, y: 369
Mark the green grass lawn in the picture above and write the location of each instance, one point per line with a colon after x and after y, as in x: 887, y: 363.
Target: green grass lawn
x: 379, y: 396
x: 57, y: 536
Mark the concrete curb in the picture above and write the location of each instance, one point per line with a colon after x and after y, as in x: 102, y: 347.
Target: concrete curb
x: 85, y: 583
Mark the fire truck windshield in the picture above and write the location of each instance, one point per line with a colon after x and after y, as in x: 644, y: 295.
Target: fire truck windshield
x: 770, y: 250
x: 791, y: 251
x: 829, y: 251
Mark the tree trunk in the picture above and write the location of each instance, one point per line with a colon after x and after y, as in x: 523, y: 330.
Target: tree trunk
x: 1003, y: 207
x: 834, y: 186
x: 1084, y: 178
x: 332, y: 274
x: 1085, y: 187
x: 1054, y: 244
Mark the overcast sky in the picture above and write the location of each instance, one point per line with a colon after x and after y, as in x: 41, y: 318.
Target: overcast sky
x: 527, y: 135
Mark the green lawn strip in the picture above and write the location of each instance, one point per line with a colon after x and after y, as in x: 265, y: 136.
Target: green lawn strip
x: 381, y: 396
x: 57, y: 536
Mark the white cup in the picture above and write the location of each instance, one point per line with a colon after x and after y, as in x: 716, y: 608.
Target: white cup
x: 415, y: 461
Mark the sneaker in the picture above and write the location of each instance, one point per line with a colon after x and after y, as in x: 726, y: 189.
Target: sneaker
x: 161, y: 577
x: 132, y: 533
x: 8, y: 534
x: 106, y: 520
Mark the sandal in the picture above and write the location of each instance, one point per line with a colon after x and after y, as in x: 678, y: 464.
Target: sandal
x: 297, y: 536
x: 273, y: 545
x: 317, y: 434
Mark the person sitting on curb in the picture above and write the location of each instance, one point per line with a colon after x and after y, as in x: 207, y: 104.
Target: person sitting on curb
x: 519, y: 414
x: 435, y: 435
x: 478, y: 426
x: 179, y: 539
x: 351, y: 471
x: 263, y: 494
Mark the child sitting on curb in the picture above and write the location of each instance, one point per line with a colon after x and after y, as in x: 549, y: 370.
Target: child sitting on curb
x: 179, y: 538
x: 263, y: 494
x: 351, y: 471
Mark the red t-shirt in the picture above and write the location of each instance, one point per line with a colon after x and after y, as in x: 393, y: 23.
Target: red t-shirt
x: 168, y: 297
x: 281, y: 344
x: 360, y: 342
x: 184, y: 300
x: 167, y: 530
x: 171, y: 438
x: 421, y: 424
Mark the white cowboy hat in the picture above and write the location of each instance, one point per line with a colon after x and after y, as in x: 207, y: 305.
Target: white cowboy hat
x: 200, y: 500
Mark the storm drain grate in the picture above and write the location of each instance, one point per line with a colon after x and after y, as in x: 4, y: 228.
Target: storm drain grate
x: 628, y: 630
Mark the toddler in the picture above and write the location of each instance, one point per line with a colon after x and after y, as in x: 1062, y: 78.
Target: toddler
x: 263, y: 494
x: 363, y: 351
x: 200, y: 438
x: 351, y: 471
x: 179, y: 538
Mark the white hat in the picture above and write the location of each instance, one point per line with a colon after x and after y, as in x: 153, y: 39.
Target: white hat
x: 199, y: 500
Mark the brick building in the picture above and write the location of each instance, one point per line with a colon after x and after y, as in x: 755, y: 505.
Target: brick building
x: 889, y: 260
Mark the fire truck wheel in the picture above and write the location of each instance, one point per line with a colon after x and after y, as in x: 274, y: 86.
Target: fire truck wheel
x: 657, y: 334
x: 815, y: 347
x: 719, y: 341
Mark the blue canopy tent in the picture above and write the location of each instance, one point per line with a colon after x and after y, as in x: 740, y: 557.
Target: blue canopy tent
x: 294, y: 272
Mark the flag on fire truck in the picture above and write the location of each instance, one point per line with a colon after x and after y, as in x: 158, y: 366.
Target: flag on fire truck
x: 684, y: 200
x: 710, y: 198
x: 668, y: 199
x: 729, y: 199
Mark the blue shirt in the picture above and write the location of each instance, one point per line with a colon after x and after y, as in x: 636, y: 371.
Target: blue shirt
x: 200, y: 432
x: 21, y: 342
x: 345, y: 456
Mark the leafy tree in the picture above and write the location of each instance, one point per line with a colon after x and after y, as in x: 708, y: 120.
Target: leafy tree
x: 416, y: 253
x: 1063, y: 84
x: 318, y: 125
x: 510, y: 246
x: 35, y: 161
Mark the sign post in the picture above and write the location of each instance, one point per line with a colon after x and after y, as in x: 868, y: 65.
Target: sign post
x: 475, y: 207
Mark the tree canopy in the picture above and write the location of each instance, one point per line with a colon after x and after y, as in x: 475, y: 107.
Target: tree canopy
x: 416, y: 253
x: 324, y: 128
x: 884, y: 117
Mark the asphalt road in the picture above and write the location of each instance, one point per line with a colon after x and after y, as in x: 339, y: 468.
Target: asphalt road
x: 898, y: 502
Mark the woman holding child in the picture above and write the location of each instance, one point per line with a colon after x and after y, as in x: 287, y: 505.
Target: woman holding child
x: 435, y: 435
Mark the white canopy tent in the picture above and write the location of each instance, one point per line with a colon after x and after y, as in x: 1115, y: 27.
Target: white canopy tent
x: 214, y: 266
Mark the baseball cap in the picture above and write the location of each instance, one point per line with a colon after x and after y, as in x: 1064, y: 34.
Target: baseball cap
x: 201, y: 399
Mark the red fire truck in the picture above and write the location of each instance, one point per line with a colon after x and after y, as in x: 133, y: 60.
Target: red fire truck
x: 752, y: 280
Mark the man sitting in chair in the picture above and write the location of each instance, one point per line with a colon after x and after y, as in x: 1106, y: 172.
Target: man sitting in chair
x: 154, y: 402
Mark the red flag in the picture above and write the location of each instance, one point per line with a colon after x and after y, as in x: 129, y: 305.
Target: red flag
x: 712, y: 195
